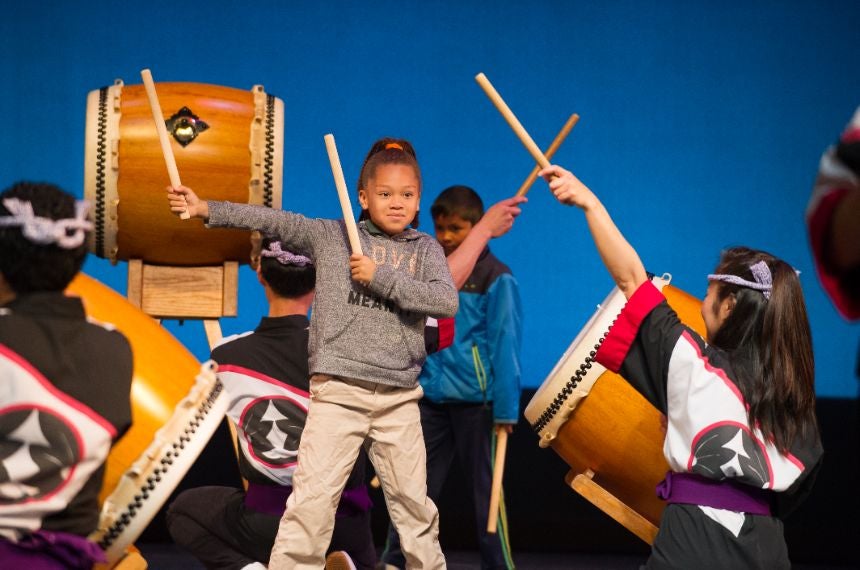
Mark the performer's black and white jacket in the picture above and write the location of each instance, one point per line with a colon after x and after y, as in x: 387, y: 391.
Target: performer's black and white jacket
x: 65, y: 387
x: 707, y: 428
x: 265, y: 373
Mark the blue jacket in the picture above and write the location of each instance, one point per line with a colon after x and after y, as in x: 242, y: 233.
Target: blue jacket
x: 483, y: 363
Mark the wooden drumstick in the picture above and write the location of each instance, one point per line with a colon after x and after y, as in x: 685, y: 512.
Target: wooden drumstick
x: 556, y: 143
x: 512, y: 120
x: 498, y: 472
x: 343, y: 195
x: 158, y: 117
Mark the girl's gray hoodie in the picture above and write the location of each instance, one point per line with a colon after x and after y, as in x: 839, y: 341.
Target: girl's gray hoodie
x: 373, y: 333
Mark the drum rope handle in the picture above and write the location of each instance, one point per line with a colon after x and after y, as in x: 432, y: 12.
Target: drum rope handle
x: 158, y: 118
x: 550, y: 412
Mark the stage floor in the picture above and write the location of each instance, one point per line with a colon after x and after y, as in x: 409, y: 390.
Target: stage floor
x: 162, y: 556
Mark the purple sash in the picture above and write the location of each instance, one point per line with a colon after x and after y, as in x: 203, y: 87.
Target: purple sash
x: 267, y: 499
x: 48, y: 550
x: 692, y: 489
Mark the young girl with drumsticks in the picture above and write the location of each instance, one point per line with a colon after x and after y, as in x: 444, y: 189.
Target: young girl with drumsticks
x: 742, y: 440
x: 366, y: 349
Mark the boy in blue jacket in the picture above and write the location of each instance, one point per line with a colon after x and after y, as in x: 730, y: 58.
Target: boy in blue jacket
x: 473, y: 386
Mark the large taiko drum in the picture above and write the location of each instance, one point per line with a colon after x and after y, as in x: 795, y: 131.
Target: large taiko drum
x: 176, y: 407
x: 228, y: 145
x: 597, y: 421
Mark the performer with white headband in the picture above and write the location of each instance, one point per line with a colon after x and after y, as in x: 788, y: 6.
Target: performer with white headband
x: 67, y: 233
x: 742, y: 439
x: 66, y: 383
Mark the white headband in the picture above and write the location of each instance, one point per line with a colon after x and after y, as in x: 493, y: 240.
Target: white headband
x: 45, y: 231
x: 761, y: 274
x: 285, y: 257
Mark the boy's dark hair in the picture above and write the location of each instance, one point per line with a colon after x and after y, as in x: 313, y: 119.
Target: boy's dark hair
x: 458, y: 200
x: 388, y: 150
x: 770, y: 347
x: 30, y: 267
x: 289, y: 281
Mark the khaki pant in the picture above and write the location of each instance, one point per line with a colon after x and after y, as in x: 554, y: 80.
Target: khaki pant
x: 344, y: 413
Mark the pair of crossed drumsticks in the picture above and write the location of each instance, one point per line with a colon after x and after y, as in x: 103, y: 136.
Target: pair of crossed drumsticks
x: 542, y: 159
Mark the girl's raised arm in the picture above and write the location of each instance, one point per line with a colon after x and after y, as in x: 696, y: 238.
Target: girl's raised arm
x: 618, y: 256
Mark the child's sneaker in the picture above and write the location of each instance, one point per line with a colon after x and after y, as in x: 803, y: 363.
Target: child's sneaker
x: 339, y: 560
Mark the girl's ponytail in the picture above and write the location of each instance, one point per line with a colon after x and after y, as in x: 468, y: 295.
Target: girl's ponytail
x: 786, y: 349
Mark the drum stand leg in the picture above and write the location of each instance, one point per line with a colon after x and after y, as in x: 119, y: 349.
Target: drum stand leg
x: 213, y: 332
x: 584, y: 484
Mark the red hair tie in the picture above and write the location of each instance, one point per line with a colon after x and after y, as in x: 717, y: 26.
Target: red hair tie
x: 393, y: 145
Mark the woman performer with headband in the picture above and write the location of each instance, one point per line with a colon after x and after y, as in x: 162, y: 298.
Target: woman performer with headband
x: 742, y: 439
x: 65, y: 385
x: 366, y: 349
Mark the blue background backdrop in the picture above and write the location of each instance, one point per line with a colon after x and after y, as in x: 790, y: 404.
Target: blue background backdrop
x: 702, y: 123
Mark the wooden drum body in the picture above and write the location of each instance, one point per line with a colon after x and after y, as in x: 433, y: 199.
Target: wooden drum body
x: 598, y: 422
x: 228, y: 145
x: 176, y: 406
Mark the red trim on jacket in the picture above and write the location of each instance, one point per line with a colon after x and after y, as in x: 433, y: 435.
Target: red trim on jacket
x: 851, y: 135
x: 262, y: 377
x: 446, y: 332
x: 622, y: 333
